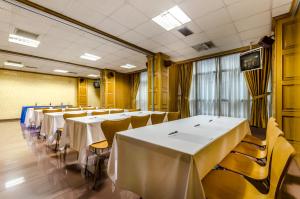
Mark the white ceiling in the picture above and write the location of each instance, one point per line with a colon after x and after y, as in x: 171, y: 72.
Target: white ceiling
x: 228, y: 23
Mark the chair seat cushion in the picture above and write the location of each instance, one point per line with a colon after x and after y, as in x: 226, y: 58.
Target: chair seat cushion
x: 254, y: 140
x: 220, y: 184
x: 250, y: 150
x: 99, y: 145
x: 244, y: 165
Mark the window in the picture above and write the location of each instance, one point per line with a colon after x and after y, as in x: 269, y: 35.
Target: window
x: 218, y: 88
x: 142, y: 94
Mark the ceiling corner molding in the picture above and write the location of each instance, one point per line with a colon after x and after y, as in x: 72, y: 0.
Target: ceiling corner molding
x: 104, y: 35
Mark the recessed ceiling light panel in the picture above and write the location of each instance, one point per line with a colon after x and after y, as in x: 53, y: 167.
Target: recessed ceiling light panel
x: 14, y: 64
x: 93, y: 75
x: 128, y: 66
x: 171, y: 18
x: 90, y: 57
x: 23, y: 40
x: 60, y: 71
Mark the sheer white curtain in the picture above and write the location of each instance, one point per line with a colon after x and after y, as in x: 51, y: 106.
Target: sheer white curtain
x: 203, y: 95
x: 142, y: 94
x: 218, y: 88
x: 234, y: 94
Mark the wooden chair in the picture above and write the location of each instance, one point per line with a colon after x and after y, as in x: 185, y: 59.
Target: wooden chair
x: 157, y: 118
x: 134, y: 110
x: 72, y: 109
x: 173, y: 116
x: 116, y: 111
x: 139, y: 121
x: 256, y: 141
x: 51, y: 110
x: 100, y: 112
x: 60, y: 130
x: 109, y: 128
x: 220, y: 184
x: 88, y: 108
x: 244, y: 165
x: 253, y: 150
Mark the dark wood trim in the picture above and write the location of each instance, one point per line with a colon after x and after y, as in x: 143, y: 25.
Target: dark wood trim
x: 138, y: 71
x: 107, y: 36
x: 223, y: 53
x: 9, y: 120
x: 40, y: 73
x: 47, y: 59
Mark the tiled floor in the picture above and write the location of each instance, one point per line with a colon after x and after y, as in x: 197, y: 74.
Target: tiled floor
x: 28, y: 169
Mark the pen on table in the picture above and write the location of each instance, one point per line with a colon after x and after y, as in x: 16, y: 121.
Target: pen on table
x: 173, y: 132
x: 197, y: 125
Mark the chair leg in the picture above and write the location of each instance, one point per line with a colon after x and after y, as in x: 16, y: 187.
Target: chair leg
x: 97, y: 171
x: 57, y: 140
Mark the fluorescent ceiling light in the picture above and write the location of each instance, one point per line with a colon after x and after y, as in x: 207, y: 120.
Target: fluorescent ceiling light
x: 60, y: 71
x: 128, y: 66
x: 14, y: 182
x: 15, y: 64
x: 23, y: 40
x: 90, y: 57
x: 93, y: 75
x: 171, y: 18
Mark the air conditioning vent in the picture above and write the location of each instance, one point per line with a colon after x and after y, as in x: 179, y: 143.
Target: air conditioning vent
x: 26, y: 34
x: 185, y: 31
x: 72, y: 73
x: 204, y: 46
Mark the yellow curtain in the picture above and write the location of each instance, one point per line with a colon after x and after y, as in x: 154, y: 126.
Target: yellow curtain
x: 135, y: 83
x: 185, y: 72
x: 257, y: 82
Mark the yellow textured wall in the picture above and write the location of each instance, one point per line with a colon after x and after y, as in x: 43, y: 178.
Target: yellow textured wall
x: 21, y: 88
x: 93, y: 94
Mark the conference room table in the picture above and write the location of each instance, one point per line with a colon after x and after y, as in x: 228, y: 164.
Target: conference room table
x: 81, y: 132
x: 168, y: 160
x: 53, y: 121
x: 33, y: 117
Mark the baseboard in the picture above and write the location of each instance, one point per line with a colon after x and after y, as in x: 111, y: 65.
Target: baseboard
x: 9, y: 120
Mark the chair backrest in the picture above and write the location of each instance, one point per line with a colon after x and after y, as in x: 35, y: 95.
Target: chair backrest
x: 116, y: 111
x: 157, y: 118
x: 72, y: 109
x: 273, y: 135
x: 52, y: 110
x: 111, y: 127
x: 71, y: 115
x: 173, y: 116
x: 100, y: 112
x: 134, y: 110
x: 139, y: 121
x: 88, y: 108
x: 282, y: 153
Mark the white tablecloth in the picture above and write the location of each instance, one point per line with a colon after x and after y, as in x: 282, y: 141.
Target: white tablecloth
x: 53, y: 121
x: 81, y: 132
x: 154, y: 164
x: 29, y: 117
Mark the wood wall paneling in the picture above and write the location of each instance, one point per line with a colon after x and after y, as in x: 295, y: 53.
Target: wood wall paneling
x: 161, y: 83
x: 82, y: 92
x: 287, y: 74
x: 115, y: 90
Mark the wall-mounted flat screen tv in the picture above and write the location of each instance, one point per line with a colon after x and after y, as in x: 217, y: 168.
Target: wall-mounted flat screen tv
x: 251, y: 60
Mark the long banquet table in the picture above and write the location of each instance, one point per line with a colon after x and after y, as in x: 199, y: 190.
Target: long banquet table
x: 53, y: 121
x: 169, y: 160
x: 80, y: 132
